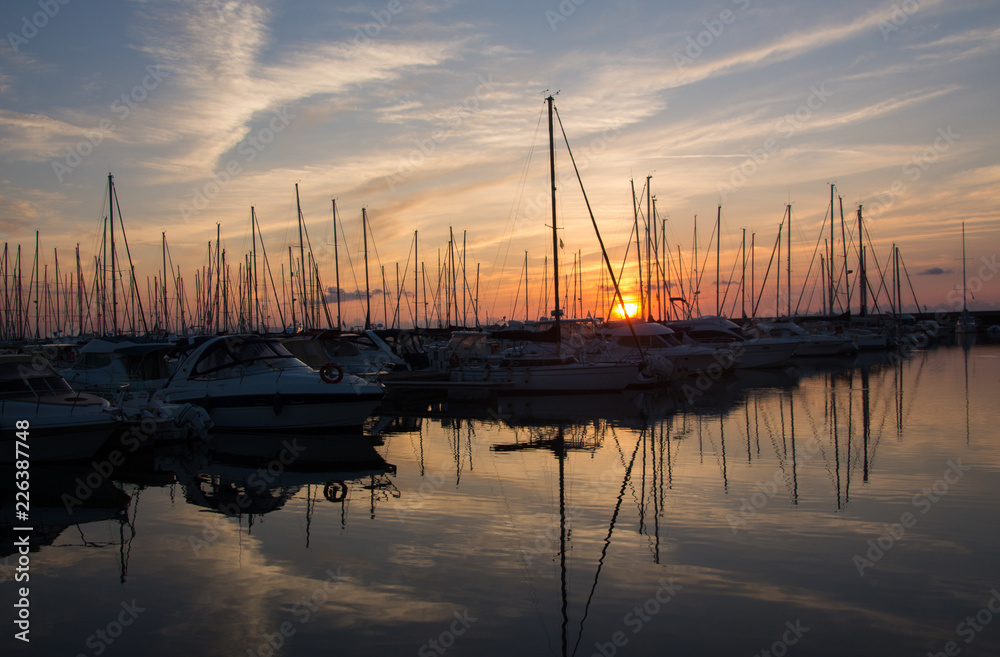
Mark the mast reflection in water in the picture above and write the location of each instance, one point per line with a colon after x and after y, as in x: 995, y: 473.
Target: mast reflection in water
x: 847, y: 508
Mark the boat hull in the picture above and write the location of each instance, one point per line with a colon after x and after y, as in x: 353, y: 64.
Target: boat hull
x: 575, y: 377
x: 282, y: 411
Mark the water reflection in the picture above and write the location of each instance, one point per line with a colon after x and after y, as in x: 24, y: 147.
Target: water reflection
x: 551, y: 519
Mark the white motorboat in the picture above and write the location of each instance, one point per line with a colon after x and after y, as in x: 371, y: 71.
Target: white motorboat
x: 537, y: 368
x: 869, y: 339
x: 748, y: 353
x: 810, y: 344
x: 250, y: 382
x: 358, y: 353
x: 659, y: 341
x: 62, y: 425
x: 123, y: 371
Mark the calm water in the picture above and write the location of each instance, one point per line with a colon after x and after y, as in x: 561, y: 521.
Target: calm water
x: 836, y: 509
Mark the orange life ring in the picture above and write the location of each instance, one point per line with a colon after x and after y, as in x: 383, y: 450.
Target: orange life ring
x: 331, y: 373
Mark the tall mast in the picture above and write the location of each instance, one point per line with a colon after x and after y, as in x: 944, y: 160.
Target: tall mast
x: 649, y: 251
x: 416, y: 283
x: 55, y: 255
x: 253, y: 304
x: 788, y: 277
x: 753, y: 277
x: 38, y: 334
x: 302, y: 256
x: 556, y: 313
x: 527, y: 307
x: 79, y: 289
x: 114, y: 287
x: 291, y: 286
x: 743, y: 276
x: 336, y: 262
x: 965, y: 308
x: 862, y: 274
x: 829, y: 262
x: 163, y: 283
x: 368, y: 296
x: 843, y: 241
x: 777, y: 279
x: 718, y: 255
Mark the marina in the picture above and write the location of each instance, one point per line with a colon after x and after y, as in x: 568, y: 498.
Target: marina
x: 565, y: 328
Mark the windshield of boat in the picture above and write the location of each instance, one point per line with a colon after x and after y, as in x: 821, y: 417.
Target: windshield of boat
x: 26, y: 380
x: 227, y: 358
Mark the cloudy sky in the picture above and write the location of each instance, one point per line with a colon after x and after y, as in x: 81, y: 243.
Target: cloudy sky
x: 431, y: 116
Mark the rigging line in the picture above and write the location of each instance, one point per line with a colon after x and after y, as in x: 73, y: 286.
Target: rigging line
x: 604, y: 252
x: 607, y: 540
x: 704, y: 263
x: 729, y: 282
x: 515, y: 209
x: 763, y: 284
x: 811, y: 262
x: 805, y: 281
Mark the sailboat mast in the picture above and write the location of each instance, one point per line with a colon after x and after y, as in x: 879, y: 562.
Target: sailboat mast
x: 718, y: 255
x: 79, y: 288
x: 829, y: 262
x: 556, y: 313
x: 862, y: 274
x: 788, y: 255
x: 416, y: 284
x: 965, y: 307
x: 368, y: 296
x: 649, y: 251
x: 336, y: 262
x: 114, y: 287
x: 743, y: 276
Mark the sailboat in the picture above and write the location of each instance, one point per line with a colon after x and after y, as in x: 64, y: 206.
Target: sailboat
x: 541, y: 367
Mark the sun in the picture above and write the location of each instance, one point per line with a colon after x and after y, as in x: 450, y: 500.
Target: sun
x: 631, y: 308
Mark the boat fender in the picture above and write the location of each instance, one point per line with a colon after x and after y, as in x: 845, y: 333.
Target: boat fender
x: 331, y: 373
x: 454, y: 360
x: 335, y: 491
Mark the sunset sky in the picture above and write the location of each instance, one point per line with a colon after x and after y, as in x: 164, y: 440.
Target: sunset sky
x: 430, y: 115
